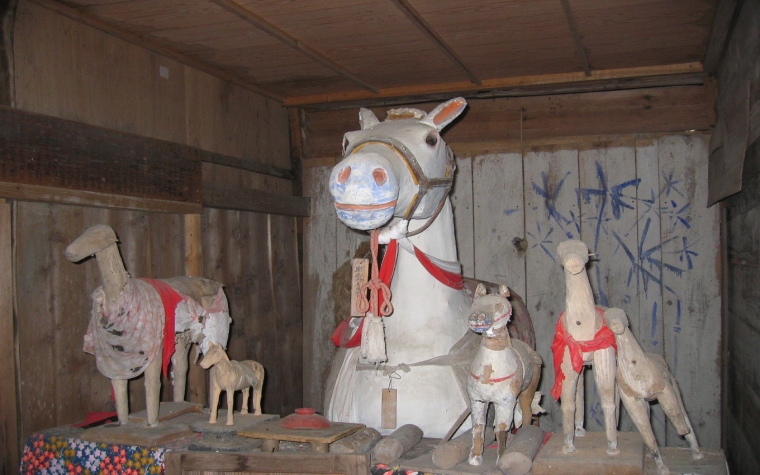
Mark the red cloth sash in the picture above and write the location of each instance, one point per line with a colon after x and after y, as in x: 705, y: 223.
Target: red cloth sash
x: 170, y: 298
x: 449, y: 279
x: 604, y: 338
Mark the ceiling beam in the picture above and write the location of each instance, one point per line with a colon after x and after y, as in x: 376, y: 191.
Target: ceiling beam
x: 143, y: 42
x: 272, y: 30
x: 425, y: 27
x: 576, y: 36
x: 666, y: 73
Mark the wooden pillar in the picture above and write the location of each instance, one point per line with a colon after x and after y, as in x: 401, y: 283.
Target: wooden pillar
x: 197, y: 386
x: 9, y: 437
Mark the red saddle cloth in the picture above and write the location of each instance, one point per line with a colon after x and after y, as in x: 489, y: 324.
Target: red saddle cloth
x: 604, y: 338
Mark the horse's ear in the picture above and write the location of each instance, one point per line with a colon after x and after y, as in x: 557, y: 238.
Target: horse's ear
x: 367, y: 118
x: 504, y: 291
x: 442, y: 115
x: 480, y: 290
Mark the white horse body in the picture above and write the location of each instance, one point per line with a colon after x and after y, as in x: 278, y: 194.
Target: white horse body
x: 392, y: 171
x: 428, y: 320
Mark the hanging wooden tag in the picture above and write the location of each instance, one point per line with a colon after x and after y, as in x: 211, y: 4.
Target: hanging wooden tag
x: 388, y: 414
x: 359, y: 277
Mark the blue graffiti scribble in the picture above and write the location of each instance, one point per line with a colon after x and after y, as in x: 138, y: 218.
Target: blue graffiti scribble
x: 645, y: 257
x: 685, y: 253
x: 670, y: 185
x: 543, y: 240
x: 510, y: 212
x: 550, y: 193
x: 654, y: 323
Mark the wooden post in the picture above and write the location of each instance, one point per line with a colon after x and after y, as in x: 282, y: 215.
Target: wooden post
x: 9, y: 441
x: 197, y: 386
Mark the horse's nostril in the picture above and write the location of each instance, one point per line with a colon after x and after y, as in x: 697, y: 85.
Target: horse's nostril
x: 343, y: 175
x: 380, y: 176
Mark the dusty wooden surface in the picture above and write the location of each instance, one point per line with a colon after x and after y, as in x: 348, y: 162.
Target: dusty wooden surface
x: 590, y: 456
x: 208, y: 463
x: 272, y: 430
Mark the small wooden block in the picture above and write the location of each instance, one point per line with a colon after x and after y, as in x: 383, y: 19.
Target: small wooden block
x: 590, y: 456
x: 272, y: 430
x: 678, y: 460
x: 166, y: 411
x: 137, y: 434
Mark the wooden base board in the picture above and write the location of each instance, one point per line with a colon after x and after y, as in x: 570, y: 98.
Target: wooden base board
x: 241, y: 422
x: 678, y: 460
x: 424, y: 464
x: 166, y: 411
x: 138, y: 434
x: 590, y: 456
x: 271, y: 430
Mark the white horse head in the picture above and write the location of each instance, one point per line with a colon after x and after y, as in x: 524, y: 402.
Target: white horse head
x: 400, y: 167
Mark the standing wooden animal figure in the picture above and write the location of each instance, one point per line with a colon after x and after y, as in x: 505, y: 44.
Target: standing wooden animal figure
x: 232, y: 376
x: 503, y: 370
x: 644, y: 377
x: 582, y: 338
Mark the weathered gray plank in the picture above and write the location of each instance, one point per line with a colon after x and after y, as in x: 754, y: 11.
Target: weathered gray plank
x: 319, y: 265
x: 551, y: 216
x: 499, y: 220
x: 691, y: 312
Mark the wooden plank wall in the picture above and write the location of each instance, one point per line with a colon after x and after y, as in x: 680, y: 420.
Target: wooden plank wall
x: 739, y: 80
x: 68, y: 70
x: 637, y: 200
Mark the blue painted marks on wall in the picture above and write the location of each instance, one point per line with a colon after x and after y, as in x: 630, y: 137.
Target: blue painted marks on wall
x: 685, y: 253
x: 549, y: 191
x: 510, y: 212
x: 543, y: 240
x: 654, y: 324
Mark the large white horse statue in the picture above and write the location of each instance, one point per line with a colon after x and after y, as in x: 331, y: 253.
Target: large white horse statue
x: 398, y: 174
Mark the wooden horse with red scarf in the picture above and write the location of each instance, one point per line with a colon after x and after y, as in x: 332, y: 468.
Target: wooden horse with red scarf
x: 582, y: 338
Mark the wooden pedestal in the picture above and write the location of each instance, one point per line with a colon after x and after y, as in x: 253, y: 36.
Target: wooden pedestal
x: 272, y: 434
x: 590, y: 456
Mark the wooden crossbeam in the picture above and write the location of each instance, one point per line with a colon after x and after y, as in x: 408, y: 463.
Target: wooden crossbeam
x: 269, y: 28
x: 653, y: 76
x: 419, y: 21
x: 576, y: 36
x: 143, y: 42
x: 246, y: 199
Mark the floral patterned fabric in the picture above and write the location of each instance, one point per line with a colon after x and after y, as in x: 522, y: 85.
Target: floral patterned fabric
x: 47, y: 454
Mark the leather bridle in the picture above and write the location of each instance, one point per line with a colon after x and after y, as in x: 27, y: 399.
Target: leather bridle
x: 424, y: 184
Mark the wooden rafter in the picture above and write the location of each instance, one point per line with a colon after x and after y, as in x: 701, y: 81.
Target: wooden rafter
x: 669, y: 75
x: 418, y: 21
x: 576, y: 36
x: 143, y: 42
x: 269, y: 28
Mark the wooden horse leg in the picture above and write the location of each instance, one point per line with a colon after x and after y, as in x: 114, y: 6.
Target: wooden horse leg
x: 153, y: 388
x: 122, y: 399
x: 478, y: 410
x: 215, y: 392
x: 180, y: 365
x: 580, y: 404
x: 526, y: 397
x: 244, y: 410
x: 567, y: 399
x: 672, y: 405
x: 504, y: 413
x: 638, y: 409
x: 605, y: 369
x: 230, y: 404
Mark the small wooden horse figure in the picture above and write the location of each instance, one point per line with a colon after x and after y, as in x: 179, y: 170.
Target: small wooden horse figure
x: 644, y: 377
x: 582, y: 338
x: 232, y: 376
x: 503, y: 370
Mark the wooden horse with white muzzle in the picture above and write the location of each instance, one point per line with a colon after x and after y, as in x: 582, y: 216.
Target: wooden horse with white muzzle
x: 503, y: 370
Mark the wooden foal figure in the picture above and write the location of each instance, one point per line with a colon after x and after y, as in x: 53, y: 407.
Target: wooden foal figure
x: 231, y: 376
x: 582, y: 338
x: 644, y: 377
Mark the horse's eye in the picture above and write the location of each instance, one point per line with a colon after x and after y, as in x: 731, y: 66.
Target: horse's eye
x: 345, y: 145
x: 432, y: 138
x: 343, y: 175
x: 380, y: 176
